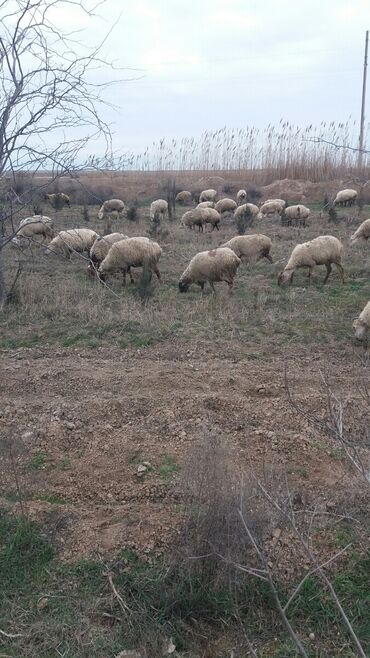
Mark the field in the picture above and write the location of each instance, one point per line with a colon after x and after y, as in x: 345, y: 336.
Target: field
x: 117, y: 404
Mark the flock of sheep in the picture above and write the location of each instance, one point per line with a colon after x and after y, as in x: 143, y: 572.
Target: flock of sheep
x: 117, y: 252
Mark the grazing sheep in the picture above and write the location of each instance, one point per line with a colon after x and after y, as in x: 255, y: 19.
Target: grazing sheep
x: 324, y: 250
x: 216, y: 265
x: 100, y: 249
x: 282, y: 202
x: 241, y: 197
x: 111, y: 206
x: 57, y: 200
x: 225, y: 205
x: 345, y: 198
x: 158, y: 210
x: 212, y: 217
x: 30, y: 227
x: 206, y: 204
x: 250, y: 248
x: 247, y: 209
x: 76, y: 239
x: 184, y: 198
x: 132, y: 252
x: 271, y: 208
x: 208, y: 195
x: 296, y: 215
x: 193, y: 218
x: 362, y: 324
x: 363, y: 231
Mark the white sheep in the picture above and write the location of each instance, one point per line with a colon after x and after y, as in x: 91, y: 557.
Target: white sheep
x: 324, y: 250
x: 132, y: 252
x: 250, y: 248
x: 110, y: 207
x: 345, y: 198
x: 30, y: 227
x: 206, y: 204
x: 362, y: 324
x: 184, y: 198
x: 100, y: 249
x: 363, y: 231
x: 225, y: 205
x: 241, y: 197
x: 199, y: 217
x: 296, y: 215
x: 208, y: 195
x: 216, y: 265
x: 212, y: 217
x: 76, y: 239
x: 281, y: 202
x: 158, y: 210
x: 246, y: 210
x: 271, y: 208
x: 58, y: 199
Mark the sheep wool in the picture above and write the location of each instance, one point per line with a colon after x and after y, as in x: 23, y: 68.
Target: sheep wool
x: 206, y: 204
x: 111, y: 206
x: 363, y: 231
x: 297, y: 214
x: 345, y: 197
x: 102, y: 245
x: 132, y: 252
x: 225, y: 205
x: 158, y: 209
x: 241, y: 197
x: 30, y: 227
x: 362, y: 324
x: 324, y: 250
x: 184, y: 198
x: 271, y: 208
x: 250, y: 248
x: 246, y: 209
x: 76, y: 239
x: 58, y: 199
x: 208, y: 195
x: 216, y: 265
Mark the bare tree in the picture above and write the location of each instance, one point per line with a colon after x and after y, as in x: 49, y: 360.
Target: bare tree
x: 49, y: 108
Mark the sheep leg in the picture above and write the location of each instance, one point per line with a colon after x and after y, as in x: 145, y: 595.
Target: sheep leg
x: 123, y: 278
x: 267, y: 255
x: 328, y: 270
x: 309, y: 274
x: 157, y: 272
x: 217, y: 226
x: 341, y: 272
x: 212, y: 286
x: 132, y: 280
x: 231, y: 287
x: 201, y: 284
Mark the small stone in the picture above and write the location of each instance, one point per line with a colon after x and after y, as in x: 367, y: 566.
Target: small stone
x: 312, y: 636
x: 147, y: 464
x: 141, y: 469
x: 276, y: 533
x: 27, y: 436
x: 70, y: 426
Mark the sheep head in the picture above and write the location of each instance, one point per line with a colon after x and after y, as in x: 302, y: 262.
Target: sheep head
x: 285, y: 277
x: 360, y: 329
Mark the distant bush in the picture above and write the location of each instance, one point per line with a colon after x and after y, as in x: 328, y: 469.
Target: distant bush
x: 133, y: 211
x: 253, y: 193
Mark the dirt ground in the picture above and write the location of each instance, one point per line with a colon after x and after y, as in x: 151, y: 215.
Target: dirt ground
x: 85, y: 422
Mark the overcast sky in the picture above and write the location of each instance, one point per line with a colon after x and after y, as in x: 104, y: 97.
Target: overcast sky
x: 211, y: 63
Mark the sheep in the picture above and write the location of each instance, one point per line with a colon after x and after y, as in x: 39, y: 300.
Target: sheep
x: 216, y: 265
x: 206, y: 204
x: 208, y: 195
x: 295, y: 214
x: 362, y: 324
x: 225, y: 205
x: 199, y: 217
x: 158, y: 210
x: 250, y: 248
x: 58, y: 200
x: 212, y: 217
x: 241, y: 197
x: 345, y: 198
x: 246, y: 209
x: 111, y: 206
x: 100, y: 249
x: 363, y: 231
x: 184, y: 198
x: 323, y: 250
x: 76, y: 239
x: 132, y: 252
x: 271, y: 208
x: 30, y: 227
x: 282, y: 202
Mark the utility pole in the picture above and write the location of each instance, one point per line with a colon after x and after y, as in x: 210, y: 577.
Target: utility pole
x: 362, y: 122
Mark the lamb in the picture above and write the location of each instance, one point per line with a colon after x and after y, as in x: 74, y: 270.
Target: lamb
x: 271, y: 208
x: 58, y: 200
x: 241, y: 197
x: 225, y: 205
x: 76, y: 239
x: 208, y: 195
x: 216, y: 265
x: 295, y: 214
x: 132, y: 252
x: 184, y: 198
x: 206, y: 204
x: 247, y: 209
x: 250, y: 248
x: 30, y: 227
x: 362, y: 324
x: 158, y: 210
x: 111, y: 206
x: 345, y: 198
x: 100, y: 249
x: 323, y: 250
x: 363, y: 231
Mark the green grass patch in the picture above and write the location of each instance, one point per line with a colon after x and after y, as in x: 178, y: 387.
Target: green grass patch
x: 168, y: 468
x: 36, y: 462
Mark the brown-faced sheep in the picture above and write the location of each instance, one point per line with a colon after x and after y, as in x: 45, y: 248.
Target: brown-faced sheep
x: 216, y: 265
x: 324, y: 250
